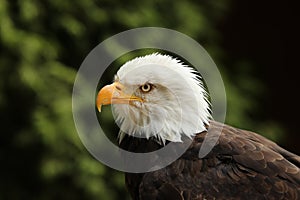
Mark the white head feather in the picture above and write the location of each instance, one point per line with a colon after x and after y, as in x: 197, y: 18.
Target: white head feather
x: 177, y: 104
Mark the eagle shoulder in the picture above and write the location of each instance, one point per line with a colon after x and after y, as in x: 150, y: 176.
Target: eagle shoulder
x: 242, y: 165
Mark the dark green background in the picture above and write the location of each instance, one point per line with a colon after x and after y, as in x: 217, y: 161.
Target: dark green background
x: 255, y: 44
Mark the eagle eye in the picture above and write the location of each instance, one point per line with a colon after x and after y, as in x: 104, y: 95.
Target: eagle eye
x: 146, y: 87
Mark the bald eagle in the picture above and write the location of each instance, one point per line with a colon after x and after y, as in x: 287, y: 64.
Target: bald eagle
x: 157, y: 100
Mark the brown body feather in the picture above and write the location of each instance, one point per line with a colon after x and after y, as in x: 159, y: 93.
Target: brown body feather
x: 242, y: 165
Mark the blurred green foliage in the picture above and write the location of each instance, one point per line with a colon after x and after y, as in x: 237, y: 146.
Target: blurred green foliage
x: 42, y: 45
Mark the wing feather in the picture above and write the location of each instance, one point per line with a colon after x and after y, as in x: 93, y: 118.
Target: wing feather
x: 242, y: 165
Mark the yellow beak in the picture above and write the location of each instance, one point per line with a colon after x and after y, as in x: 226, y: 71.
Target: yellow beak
x: 114, y: 94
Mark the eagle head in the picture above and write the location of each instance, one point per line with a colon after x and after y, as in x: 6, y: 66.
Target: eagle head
x: 157, y: 96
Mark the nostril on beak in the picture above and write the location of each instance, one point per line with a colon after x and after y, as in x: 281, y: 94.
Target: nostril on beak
x: 118, y: 88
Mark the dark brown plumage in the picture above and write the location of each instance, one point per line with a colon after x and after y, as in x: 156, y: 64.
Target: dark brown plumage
x: 242, y: 165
